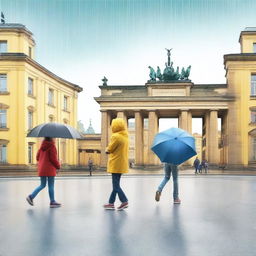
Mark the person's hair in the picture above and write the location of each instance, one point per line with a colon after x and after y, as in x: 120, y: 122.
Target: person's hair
x: 48, y: 138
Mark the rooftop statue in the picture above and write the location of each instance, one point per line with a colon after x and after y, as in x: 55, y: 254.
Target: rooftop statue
x: 177, y: 74
x: 104, y: 80
x: 169, y: 55
x: 158, y: 74
x: 169, y: 74
x: 185, y: 73
x: 152, y: 74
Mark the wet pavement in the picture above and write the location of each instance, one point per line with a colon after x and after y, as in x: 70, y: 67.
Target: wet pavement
x: 132, y: 172
x: 216, y: 218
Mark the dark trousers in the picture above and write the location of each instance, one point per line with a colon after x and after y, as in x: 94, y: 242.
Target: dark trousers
x: 117, y: 189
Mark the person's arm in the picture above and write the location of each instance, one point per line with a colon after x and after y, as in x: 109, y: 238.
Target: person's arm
x: 38, y: 155
x: 112, y: 145
x: 53, y: 157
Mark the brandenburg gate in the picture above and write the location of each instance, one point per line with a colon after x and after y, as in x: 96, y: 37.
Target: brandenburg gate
x: 167, y: 95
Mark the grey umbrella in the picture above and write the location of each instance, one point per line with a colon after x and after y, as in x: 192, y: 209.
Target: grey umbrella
x: 54, y: 130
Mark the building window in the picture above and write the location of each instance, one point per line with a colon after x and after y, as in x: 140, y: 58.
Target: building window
x: 254, y: 149
x: 3, y: 46
x: 65, y: 103
x: 51, y: 118
x: 30, y: 52
x: 253, y: 116
x: 30, y: 154
x: 3, y: 83
x: 3, y: 153
x: 30, y: 86
x: 3, y: 123
x: 253, y: 85
x: 254, y: 47
x: 50, y: 97
x: 30, y: 120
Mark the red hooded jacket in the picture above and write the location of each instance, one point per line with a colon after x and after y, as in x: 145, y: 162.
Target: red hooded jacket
x: 47, y: 159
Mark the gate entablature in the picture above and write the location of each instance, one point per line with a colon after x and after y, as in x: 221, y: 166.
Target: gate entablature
x: 175, y: 88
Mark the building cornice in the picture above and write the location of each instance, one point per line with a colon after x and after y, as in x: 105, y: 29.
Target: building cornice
x: 239, y: 57
x: 127, y: 87
x: 139, y: 87
x: 16, y: 28
x: 248, y: 32
x: 165, y: 99
x: 27, y: 59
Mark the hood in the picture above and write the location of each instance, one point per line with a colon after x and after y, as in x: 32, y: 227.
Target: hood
x: 118, y: 125
x: 46, y: 145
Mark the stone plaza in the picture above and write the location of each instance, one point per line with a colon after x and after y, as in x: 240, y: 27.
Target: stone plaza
x: 216, y: 217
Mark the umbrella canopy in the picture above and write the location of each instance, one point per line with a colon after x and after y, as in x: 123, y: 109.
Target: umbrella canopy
x: 54, y: 130
x: 174, y: 146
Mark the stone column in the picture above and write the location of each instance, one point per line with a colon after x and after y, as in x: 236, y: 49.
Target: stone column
x: 121, y: 114
x: 212, y: 144
x: 185, y: 120
x: 105, y: 123
x: 152, y: 131
x: 139, y: 139
x: 185, y: 123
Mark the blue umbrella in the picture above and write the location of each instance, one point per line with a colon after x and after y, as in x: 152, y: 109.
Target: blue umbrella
x: 174, y: 146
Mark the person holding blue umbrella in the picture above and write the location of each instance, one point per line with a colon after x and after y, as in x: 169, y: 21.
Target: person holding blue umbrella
x: 169, y: 169
x: 173, y: 147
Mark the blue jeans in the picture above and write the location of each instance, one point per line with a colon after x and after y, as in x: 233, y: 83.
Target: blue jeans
x: 42, y: 186
x: 170, y: 169
x: 117, y: 189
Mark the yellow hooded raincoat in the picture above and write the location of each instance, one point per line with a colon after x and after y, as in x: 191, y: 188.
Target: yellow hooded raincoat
x: 118, y: 147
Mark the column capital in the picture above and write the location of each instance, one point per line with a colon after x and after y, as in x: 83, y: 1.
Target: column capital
x: 152, y: 110
x: 120, y: 110
x: 103, y: 110
x: 213, y: 109
x: 184, y: 109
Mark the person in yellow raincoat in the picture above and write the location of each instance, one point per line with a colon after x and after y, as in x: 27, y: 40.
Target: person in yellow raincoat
x: 117, y: 162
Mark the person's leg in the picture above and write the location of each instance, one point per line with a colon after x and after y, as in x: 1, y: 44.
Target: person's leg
x: 166, y: 178
x: 115, y: 181
x: 120, y: 192
x: 51, y: 188
x: 39, y: 188
x: 175, y: 182
x: 53, y: 203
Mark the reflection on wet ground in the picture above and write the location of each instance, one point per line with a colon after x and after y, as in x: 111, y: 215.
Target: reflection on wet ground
x: 216, y: 217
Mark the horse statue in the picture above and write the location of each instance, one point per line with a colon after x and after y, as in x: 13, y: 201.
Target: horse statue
x: 152, y: 74
x: 185, y: 73
x: 158, y: 74
x: 168, y: 72
x: 177, y: 74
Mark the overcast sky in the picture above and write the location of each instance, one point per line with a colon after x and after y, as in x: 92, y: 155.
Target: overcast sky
x: 84, y: 40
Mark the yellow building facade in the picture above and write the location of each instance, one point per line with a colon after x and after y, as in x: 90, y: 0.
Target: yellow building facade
x: 31, y: 95
x: 241, y: 80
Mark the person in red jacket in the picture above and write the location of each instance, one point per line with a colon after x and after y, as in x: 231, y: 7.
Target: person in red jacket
x: 48, y: 165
